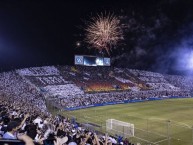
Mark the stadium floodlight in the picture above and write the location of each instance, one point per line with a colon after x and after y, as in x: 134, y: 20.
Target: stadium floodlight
x: 190, y: 63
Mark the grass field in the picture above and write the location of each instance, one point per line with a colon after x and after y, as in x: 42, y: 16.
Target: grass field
x: 165, y: 122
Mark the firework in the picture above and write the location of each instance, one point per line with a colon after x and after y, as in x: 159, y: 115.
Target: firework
x: 103, y: 32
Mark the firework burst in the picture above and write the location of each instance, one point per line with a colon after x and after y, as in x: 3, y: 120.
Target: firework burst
x: 103, y: 32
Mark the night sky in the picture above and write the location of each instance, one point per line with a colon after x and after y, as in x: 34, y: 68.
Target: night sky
x: 158, y: 34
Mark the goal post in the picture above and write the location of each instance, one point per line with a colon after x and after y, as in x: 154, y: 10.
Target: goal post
x: 117, y: 127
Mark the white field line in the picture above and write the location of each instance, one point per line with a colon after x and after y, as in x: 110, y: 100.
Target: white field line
x: 181, y: 123
x: 144, y: 140
x: 151, y: 132
x: 160, y: 141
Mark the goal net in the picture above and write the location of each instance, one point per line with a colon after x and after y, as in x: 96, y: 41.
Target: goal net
x: 117, y: 127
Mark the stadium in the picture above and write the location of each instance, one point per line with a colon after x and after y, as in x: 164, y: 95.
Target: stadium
x: 157, y: 105
x: 96, y: 72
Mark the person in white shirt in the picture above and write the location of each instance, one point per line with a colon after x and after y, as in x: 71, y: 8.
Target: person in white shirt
x: 39, y: 121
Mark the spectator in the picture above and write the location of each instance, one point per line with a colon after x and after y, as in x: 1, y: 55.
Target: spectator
x: 12, y: 129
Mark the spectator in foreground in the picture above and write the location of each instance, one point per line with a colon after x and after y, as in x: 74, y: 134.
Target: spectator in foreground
x: 11, y: 130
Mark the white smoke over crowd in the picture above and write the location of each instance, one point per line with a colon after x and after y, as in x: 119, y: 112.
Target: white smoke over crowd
x: 158, y: 42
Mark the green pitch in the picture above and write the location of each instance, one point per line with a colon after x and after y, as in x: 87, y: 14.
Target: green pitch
x: 165, y: 122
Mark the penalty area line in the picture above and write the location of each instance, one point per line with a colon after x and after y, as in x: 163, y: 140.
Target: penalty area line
x: 160, y: 141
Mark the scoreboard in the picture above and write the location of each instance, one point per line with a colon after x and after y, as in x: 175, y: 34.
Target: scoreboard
x: 91, y: 60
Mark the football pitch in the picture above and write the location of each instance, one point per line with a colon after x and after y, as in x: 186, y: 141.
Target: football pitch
x: 165, y: 122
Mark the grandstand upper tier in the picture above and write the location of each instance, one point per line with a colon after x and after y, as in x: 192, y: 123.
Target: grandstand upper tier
x: 75, y: 86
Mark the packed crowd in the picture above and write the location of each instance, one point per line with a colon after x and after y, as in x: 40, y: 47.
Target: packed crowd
x: 67, y: 84
x: 17, y: 88
x: 23, y: 92
x: 155, y: 81
x: 145, y: 73
x: 95, y: 79
x: 23, y: 116
x: 61, y: 90
x: 38, y: 71
x: 31, y: 127
x: 183, y: 82
x: 102, y: 98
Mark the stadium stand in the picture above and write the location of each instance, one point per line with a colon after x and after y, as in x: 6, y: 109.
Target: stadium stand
x: 23, y: 95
